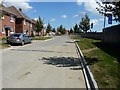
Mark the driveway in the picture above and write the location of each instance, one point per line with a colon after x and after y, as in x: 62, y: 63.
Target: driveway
x: 43, y: 64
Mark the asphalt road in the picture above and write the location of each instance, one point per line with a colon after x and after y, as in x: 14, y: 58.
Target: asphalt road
x: 43, y: 64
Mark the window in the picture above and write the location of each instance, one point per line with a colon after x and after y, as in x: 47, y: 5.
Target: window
x: 16, y: 35
x: 2, y: 29
x: 30, y: 25
x: 11, y: 18
x: 24, y: 22
x: 3, y: 16
x: 26, y: 35
x: 12, y: 30
x: 23, y: 35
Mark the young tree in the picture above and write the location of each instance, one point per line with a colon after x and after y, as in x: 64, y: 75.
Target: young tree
x: 85, y: 23
x: 49, y: 28
x: 39, y: 25
x: 76, y: 29
x: 113, y: 7
x: 54, y: 30
x: 71, y: 31
x: 61, y: 29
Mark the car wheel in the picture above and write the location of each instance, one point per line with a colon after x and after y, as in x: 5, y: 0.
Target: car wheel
x: 23, y: 43
x: 11, y: 44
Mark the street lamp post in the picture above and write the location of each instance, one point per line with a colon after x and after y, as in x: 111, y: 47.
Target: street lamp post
x: 104, y: 18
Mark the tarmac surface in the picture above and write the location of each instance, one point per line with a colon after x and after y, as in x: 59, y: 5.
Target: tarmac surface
x: 51, y: 63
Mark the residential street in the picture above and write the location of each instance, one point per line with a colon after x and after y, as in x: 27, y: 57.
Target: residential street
x: 43, y: 64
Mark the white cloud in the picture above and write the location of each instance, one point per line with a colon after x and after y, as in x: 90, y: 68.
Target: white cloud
x: 94, y: 21
x: 76, y: 15
x: 52, y: 20
x: 18, y: 4
x: 45, y: 25
x: 81, y: 14
x: 64, y: 16
x: 79, y: 2
x: 36, y: 19
x: 90, y: 5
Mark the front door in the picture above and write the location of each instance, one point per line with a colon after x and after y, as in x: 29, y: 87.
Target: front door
x: 6, y: 32
x: 27, y: 32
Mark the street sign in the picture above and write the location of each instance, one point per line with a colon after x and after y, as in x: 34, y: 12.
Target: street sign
x: 91, y: 25
x: 110, y: 19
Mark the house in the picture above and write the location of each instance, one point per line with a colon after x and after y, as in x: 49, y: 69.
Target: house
x: 34, y: 27
x: 43, y: 31
x: 23, y: 23
x: 15, y: 21
x: 7, y: 22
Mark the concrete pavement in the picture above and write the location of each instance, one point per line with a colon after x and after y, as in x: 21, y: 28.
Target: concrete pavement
x: 3, y: 41
x: 43, y: 64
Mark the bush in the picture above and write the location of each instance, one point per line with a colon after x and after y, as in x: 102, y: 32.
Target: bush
x: 32, y: 35
x: 4, y: 38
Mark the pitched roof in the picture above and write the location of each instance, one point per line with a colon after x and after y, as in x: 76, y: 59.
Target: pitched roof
x: 12, y: 10
x: 33, y: 20
x: 19, y: 13
x: 15, y: 11
x: 3, y: 8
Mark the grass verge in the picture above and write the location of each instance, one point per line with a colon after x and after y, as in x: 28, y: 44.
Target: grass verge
x: 102, y: 60
x: 2, y: 38
x: 42, y: 38
x: 4, y: 45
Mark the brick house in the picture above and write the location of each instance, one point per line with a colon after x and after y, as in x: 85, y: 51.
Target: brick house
x: 7, y: 22
x: 43, y: 31
x: 34, y: 27
x: 15, y: 22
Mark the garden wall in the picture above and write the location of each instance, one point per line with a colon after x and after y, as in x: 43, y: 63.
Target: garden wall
x: 111, y: 34
x: 93, y: 35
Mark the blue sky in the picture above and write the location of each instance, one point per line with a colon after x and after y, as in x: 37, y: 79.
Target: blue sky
x: 65, y: 13
x: 55, y: 11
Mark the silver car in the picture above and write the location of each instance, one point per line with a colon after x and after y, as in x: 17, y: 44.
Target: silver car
x: 19, y: 38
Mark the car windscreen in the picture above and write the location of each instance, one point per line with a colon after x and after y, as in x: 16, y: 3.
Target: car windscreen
x: 15, y: 35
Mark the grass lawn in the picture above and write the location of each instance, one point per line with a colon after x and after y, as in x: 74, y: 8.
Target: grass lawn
x: 4, y: 45
x: 102, y: 60
x: 42, y: 38
x: 4, y: 38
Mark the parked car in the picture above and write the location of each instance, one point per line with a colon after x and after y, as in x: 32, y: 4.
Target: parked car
x: 19, y: 38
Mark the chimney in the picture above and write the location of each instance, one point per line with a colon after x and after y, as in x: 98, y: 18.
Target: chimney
x: 20, y: 9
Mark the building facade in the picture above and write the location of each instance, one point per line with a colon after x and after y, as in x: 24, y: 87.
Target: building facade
x: 7, y: 22
x: 15, y: 21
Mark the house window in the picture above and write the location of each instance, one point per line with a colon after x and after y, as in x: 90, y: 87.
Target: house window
x: 3, y: 17
x: 30, y: 25
x: 12, y: 30
x: 2, y: 29
x: 11, y: 18
x: 24, y: 22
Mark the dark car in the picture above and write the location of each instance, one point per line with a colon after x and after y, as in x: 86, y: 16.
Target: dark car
x: 19, y: 38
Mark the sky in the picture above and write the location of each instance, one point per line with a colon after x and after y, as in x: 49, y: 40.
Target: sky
x: 62, y: 13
